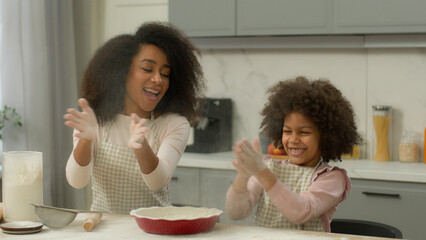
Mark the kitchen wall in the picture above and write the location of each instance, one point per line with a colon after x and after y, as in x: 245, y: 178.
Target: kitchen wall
x: 389, y: 76
x: 395, y: 77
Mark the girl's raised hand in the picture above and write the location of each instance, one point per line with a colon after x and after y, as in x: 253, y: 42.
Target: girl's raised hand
x: 84, y: 122
x: 137, y: 132
x: 249, y: 159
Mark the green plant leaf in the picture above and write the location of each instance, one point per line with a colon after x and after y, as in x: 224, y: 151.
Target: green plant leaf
x: 12, y: 116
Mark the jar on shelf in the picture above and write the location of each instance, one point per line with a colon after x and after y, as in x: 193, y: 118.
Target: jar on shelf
x: 355, y: 153
x: 424, y: 147
x: 382, y: 116
x: 409, y: 150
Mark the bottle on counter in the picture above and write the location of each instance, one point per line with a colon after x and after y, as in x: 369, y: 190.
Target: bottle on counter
x: 382, y: 116
x: 356, y: 152
x: 409, y: 150
x: 424, y: 148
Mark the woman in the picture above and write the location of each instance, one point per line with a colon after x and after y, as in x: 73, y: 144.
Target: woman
x: 139, y: 95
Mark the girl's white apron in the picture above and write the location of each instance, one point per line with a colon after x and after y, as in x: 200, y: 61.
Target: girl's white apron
x: 298, y: 179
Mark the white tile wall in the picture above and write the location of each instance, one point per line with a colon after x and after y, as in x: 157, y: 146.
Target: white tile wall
x: 367, y: 77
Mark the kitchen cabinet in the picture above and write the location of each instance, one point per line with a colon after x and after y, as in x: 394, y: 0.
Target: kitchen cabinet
x: 400, y: 204
x: 185, y: 187
x: 204, y: 188
x: 380, y: 16
x: 125, y: 16
x: 284, y: 17
x: 204, y: 18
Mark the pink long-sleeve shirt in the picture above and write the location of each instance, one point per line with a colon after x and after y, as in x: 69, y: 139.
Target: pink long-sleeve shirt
x: 328, y: 188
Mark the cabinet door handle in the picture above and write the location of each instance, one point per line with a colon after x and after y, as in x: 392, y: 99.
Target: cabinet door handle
x: 174, y: 178
x: 391, y: 195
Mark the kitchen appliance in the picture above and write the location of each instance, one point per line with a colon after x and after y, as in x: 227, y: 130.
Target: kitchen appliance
x: 212, y: 132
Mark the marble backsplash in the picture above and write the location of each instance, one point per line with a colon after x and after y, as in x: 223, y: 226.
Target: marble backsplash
x: 395, y: 77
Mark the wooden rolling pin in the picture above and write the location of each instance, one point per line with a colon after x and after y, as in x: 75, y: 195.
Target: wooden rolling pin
x: 92, y: 220
x: 1, y: 212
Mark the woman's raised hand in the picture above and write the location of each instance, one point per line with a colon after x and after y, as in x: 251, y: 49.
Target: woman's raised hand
x: 137, y: 132
x: 84, y: 122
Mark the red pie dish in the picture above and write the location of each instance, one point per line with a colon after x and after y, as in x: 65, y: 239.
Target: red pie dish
x: 176, y: 220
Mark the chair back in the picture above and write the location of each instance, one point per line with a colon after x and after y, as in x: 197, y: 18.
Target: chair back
x: 365, y: 228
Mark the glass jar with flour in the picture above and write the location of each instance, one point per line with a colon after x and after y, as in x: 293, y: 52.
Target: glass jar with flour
x: 409, y: 149
x: 22, y: 184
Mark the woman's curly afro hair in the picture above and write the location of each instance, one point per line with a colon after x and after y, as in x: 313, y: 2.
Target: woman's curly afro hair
x: 104, y: 81
x: 323, y: 104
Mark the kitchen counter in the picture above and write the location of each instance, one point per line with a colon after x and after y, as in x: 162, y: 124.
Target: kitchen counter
x: 120, y: 226
x: 356, y: 168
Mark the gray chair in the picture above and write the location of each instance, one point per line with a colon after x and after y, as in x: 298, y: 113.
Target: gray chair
x: 365, y: 228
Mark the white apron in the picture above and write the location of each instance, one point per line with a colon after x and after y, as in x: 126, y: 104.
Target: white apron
x: 117, y: 183
x: 298, y: 179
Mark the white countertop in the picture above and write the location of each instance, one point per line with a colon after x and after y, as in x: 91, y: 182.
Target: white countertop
x: 356, y: 168
x: 121, y: 226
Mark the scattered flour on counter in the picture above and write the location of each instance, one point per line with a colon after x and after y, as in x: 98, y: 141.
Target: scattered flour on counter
x: 291, y: 236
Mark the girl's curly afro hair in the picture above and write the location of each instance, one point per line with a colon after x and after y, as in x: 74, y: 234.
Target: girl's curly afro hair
x: 323, y: 104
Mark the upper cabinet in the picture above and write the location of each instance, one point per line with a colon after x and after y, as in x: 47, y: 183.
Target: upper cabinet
x: 203, y: 18
x: 380, y: 16
x: 284, y: 17
x: 221, y: 18
x: 125, y: 16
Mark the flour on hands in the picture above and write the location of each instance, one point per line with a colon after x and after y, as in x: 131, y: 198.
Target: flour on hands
x: 85, y: 121
x: 138, y: 130
x: 249, y: 158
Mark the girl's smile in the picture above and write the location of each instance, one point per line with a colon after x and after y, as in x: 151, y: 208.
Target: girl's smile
x: 301, y: 140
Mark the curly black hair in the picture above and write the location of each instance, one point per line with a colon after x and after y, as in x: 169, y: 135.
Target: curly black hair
x: 319, y: 101
x: 104, y: 81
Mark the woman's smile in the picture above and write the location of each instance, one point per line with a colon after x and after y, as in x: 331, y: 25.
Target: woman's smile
x: 152, y: 93
x: 147, y: 82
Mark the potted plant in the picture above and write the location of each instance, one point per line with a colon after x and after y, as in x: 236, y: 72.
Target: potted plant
x: 9, y: 114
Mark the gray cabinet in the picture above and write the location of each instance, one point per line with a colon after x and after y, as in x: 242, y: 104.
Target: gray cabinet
x: 219, y: 18
x: 185, y: 187
x: 284, y: 17
x: 380, y: 16
x: 395, y: 203
x: 203, y: 17
x: 204, y: 188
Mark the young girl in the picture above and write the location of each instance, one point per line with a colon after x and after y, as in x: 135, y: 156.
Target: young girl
x: 315, y: 124
x: 139, y: 95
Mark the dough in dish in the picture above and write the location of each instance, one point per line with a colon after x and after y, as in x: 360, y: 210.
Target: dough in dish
x: 176, y: 213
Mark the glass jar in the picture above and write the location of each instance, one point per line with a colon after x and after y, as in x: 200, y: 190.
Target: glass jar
x: 382, y: 116
x: 409, y: 150
x: 22, y: 184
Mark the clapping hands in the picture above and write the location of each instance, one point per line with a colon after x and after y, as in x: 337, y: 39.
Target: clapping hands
x: 85, y: 121
x: 137, y: 132
x: 249, y: 158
